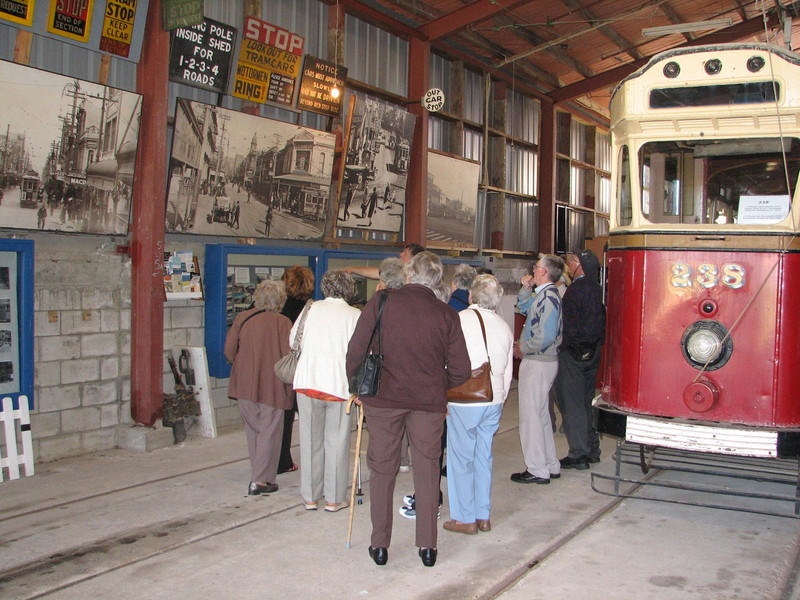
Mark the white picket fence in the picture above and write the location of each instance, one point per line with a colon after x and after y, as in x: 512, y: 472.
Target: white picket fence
x: 17, y: 429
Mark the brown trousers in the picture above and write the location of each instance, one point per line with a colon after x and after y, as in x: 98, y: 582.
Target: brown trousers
x: 386, y: 427
x: 263, y: 428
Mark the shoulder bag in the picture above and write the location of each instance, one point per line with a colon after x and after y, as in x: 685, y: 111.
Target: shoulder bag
x: 286, y: 365
x: 365, y: 382
x: 478, y: 388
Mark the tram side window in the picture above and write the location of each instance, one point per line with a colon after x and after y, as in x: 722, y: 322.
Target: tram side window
x: 625, y: 212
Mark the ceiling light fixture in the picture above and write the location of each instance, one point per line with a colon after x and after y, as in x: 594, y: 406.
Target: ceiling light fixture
x: 686, y: 27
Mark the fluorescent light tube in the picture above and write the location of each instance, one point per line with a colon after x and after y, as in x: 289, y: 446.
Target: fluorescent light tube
x: 686, y: 27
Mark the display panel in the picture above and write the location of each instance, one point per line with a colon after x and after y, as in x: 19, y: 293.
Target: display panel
x: 69, y: 150
x: 16, y: 319
x: 372, y: 200
x: 241, y: 175
x: 452, y: 201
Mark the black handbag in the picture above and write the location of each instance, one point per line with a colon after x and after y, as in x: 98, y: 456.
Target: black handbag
x: 365, y: 381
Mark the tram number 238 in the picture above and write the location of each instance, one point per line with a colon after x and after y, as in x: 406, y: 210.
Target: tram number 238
x: 707, y: 275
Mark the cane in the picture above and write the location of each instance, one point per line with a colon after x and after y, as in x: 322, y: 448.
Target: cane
x: 356, y: 469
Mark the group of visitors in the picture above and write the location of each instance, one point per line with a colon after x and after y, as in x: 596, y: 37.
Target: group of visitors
x: 432, y: 337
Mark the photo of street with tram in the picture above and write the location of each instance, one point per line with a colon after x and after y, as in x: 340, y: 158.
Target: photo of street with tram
x: 242, y: 175
x: 67, y: 152
x: 373, y: 193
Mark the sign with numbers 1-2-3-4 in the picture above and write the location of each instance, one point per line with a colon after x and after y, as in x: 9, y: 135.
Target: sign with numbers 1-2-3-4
x: 201, y: 55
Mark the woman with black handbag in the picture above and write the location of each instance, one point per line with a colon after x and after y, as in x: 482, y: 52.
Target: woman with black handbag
x: 424, y: 354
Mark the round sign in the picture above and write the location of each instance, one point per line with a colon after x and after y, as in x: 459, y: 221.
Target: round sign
x: 433, y: 100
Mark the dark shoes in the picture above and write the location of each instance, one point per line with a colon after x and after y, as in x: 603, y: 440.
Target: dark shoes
x: 525, y: 477
x: 594, y: 459
x: 580, y: 463
x: 256, y: 489
x: 428, y: 556
x: 483, y: 524
x: 379, y: 555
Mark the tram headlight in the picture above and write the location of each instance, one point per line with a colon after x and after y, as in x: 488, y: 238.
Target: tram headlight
x: 706, y: 344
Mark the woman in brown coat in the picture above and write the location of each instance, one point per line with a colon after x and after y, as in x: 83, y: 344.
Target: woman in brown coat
x: 256, y: 340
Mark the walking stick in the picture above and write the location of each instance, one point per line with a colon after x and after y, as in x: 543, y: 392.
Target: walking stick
x: 356, y: 469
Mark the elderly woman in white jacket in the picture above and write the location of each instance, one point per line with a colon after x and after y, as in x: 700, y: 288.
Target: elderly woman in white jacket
x: 322, y: 391
x: 471, y: 427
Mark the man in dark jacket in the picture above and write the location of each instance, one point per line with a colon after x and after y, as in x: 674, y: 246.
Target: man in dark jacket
x: 424, y: 354
x: 579, y: 358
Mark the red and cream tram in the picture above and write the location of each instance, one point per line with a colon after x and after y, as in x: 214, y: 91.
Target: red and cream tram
x: 703, y: 263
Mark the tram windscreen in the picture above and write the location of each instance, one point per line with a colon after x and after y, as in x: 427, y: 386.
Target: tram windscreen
x: 735, y: 181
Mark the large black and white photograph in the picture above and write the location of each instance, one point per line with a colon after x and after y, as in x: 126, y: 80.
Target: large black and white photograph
x: 373, y: 196
x: 247, y: 176
x: 68, y: 152
x: 452, y: 201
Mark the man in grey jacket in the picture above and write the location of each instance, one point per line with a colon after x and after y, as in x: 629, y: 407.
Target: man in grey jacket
x: 538, y: 349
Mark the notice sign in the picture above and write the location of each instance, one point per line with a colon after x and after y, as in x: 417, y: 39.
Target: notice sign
x: 17, y: 11
x: 71, y: 18
x: 182, y: 13
x: 319, y: 78
x: 269, y: 63
x: 201, y: 55
x: 118, y: 27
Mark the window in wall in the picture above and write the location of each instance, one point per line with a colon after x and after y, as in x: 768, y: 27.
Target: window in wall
x: 603, y: 153
x: 375, y: 57
x: 521, y: 224
x: 473, y: 96
x: 440, y: 134
x: 473, y: 144
x: 441, y: 76
x: 522, y: 117
x: 521, y: 169
x: 603, y: 202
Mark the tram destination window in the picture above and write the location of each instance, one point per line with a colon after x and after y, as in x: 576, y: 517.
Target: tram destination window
x: 756, y: 92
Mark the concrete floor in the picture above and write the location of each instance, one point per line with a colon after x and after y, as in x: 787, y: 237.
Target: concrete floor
x: 177, y: 523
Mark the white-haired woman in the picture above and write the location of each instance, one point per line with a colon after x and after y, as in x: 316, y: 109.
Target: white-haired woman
x: 471, y: 427
x: 322, y: 391
x: 424, y: 354
x: 257, y: 338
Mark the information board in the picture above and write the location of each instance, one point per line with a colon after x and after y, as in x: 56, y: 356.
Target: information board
x: 200, y: 56
x: 319, y: 78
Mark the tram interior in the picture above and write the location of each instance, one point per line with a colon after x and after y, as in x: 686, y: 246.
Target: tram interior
x: 728, y: 181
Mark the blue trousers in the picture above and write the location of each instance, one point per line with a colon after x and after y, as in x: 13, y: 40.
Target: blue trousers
x: 470, y: 432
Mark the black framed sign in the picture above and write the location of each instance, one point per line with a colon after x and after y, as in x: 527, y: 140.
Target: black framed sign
x: 200, y: 56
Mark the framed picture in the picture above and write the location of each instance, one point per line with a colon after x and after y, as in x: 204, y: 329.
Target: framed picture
x: 373, y: 196
x: 69, y: 150
x: 452, y: 201
x: 241, y: 175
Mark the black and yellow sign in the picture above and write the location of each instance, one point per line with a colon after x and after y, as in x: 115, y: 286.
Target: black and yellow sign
x: 71, y: 18
x: 118, y: 23
x: 269, y: 63
x: 201, y: 55
x: 319, y: 78
x: 17, y: 11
